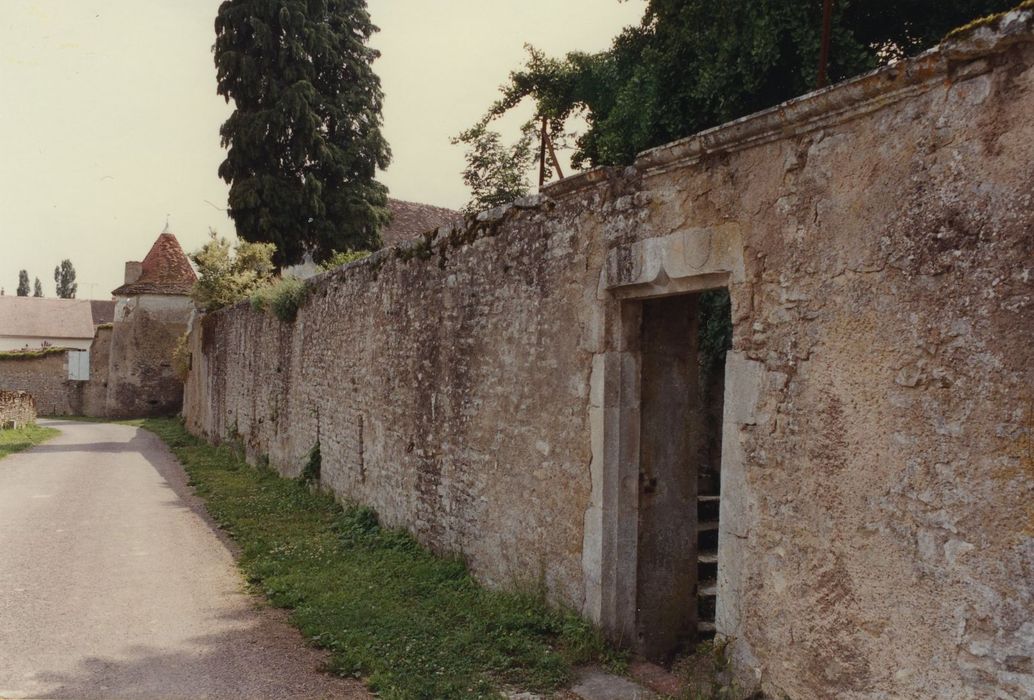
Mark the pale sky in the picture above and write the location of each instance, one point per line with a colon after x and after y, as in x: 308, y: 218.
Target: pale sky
x: 109, y: 119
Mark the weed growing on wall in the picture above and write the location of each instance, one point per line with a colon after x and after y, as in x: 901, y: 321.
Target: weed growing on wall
x: 31, y: 354
x: 282, y: 298
x: 313, y: 465
x: 181, y: 357
x: 412, y: 624
x: 339, y: 259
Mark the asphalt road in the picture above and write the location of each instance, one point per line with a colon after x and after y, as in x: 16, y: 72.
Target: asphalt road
x: 115, y: 584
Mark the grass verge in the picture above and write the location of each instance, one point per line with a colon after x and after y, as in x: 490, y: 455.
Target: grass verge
x: 19, y: 439
x: 413, y: 624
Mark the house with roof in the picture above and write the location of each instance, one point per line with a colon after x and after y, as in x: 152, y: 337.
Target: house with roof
x: 411, y: 219
x: 32, y: 323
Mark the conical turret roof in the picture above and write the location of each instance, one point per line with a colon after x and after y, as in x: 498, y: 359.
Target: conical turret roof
x: 165, y: 270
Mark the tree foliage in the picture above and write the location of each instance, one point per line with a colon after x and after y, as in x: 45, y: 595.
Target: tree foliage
x: 64, y: 280
x: 496, y: 174
x: 226, y: 277
x: 23, y: 283
x: 694, y: 64
x: 37, y: 289
x: 304, y: 142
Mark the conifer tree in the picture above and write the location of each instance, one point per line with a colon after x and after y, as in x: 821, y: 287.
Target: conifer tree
x: 23, y: 283
x: 37, y: 290
x: 304, y: 142
x: 64, y: 280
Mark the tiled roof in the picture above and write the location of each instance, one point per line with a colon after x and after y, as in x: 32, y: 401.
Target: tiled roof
x: 103, y: 311
x: 165, y: 270
x: 35, y: 317
x: 410, y: 219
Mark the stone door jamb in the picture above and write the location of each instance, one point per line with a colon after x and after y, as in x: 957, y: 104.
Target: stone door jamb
x: 685, y: 262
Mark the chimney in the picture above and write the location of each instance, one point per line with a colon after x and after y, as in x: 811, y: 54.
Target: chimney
x: 133, y: 270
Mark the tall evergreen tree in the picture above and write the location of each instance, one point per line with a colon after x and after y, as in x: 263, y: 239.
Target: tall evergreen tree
x: 37, y: 290
x: 23, y: 283
x: 64, y: 280
x: 304, y: 142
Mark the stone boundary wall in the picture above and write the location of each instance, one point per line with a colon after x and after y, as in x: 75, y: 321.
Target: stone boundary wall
x: 46, y: 378
x: 481, y: 385
x: 17, y: 408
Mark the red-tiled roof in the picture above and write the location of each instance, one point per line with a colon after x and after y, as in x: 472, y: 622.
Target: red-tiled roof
x: 410, y: 219
x: 35, y: 317
x: 165, y: 270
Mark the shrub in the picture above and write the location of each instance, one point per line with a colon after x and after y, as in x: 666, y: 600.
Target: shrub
x: 225, y: 279
x: 339, y: 259
x: 283, y: 298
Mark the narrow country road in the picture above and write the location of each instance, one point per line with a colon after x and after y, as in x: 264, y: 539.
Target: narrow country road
x: 114, y: 583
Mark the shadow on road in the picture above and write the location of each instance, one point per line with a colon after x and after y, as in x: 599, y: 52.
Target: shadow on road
x: 259, y: 657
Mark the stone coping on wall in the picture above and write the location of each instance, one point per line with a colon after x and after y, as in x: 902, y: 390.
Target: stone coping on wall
x: 964, y: 54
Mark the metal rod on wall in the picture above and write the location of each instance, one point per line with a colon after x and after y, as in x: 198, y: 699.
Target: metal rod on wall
x: 542, y: 154
x: 827, y: 27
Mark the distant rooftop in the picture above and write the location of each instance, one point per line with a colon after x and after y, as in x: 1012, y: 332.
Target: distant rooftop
x: 166, y: 270
x: 36, y: 317
x: 410, y: 219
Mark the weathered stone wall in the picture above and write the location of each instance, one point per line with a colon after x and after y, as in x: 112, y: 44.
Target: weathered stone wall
x: 141, y: 380
x: 482, y: 387
x: 95, y: 393
x: 17, y: 408
x: 46, y: 378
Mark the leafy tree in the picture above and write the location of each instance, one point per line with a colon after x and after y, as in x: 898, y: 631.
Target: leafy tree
x: 23, y: 283
x: 693, y: 64
x: 37, y: 290
x: 64, y: 279
x: 495, y: 174
x: 304, y: 142
x: 225, y: 278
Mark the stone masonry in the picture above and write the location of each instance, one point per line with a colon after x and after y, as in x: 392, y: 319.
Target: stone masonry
x: 483, y: 385
x: 17, y: 408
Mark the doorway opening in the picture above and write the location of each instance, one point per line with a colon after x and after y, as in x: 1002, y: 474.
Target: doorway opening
x: 682, y: 345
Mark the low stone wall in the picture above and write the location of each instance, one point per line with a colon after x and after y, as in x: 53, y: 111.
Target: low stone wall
x: 46, y: 378
x: 484, y: 387
x: 17, y: 408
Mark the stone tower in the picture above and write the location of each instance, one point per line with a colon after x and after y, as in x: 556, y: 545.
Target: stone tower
x: 152, y: 310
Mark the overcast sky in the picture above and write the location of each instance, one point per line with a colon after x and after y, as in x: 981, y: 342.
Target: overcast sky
x: 109, y: 120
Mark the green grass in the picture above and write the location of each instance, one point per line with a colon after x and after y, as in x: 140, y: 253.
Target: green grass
x: 12, y: 441
x: 412, y: 624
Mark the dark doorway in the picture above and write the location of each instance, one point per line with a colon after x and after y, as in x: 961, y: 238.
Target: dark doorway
x: 682, y: 344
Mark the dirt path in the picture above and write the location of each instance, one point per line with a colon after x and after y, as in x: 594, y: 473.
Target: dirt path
x: 114, y: 584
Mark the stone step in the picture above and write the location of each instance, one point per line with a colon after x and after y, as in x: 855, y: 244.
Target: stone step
x: 705, y: 626
x: 707, y: 557
x: 595, y: 684
x: 707, y: 526
x: 707, y: 589
x: 708, y: 499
